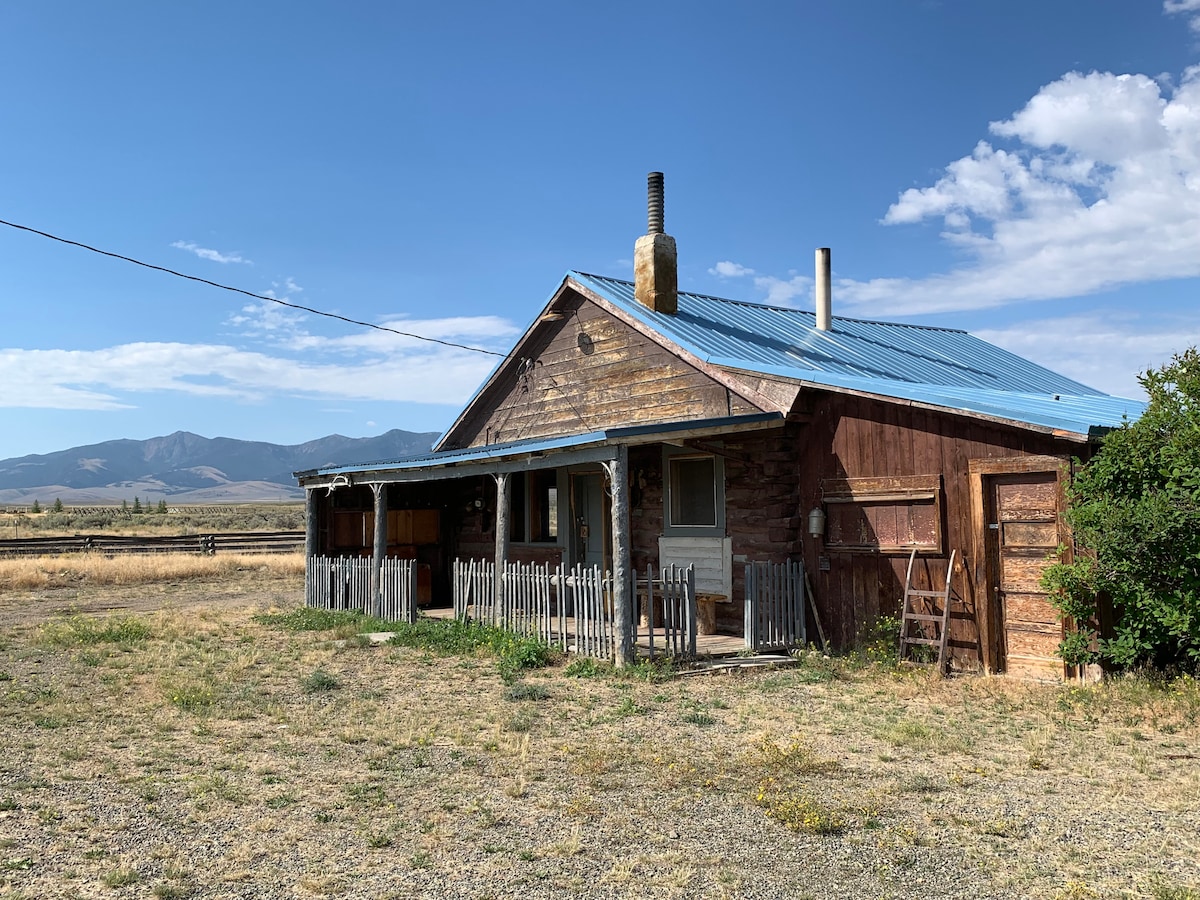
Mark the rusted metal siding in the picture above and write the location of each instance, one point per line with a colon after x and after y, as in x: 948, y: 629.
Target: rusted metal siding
x: 588, y: 372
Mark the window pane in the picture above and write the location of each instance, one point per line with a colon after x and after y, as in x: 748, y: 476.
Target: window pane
x: 543, y: 505
x: 693, y: 491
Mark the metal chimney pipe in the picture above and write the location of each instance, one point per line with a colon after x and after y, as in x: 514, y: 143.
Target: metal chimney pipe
x: 654, y: 191
x: 824, y: 305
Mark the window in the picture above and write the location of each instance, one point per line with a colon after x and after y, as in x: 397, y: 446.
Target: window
x: 695, y: 493
x: 880, y: 515
x: 533, y: 515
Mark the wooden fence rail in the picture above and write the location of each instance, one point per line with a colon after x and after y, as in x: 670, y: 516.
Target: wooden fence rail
x: 239, y: 542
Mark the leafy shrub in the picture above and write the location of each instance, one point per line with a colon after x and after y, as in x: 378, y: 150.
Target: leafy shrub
x: 1135, y: 512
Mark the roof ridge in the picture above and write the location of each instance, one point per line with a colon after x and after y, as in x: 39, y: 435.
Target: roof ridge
x: 788, y: 309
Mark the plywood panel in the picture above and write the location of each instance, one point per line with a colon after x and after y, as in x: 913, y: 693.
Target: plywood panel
x: 426, y: 526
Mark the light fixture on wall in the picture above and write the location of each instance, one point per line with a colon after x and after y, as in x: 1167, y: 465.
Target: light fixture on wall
x: 816, y: 522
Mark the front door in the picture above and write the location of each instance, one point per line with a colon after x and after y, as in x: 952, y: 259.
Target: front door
x: 589, y: 511
x: 1023, y: 533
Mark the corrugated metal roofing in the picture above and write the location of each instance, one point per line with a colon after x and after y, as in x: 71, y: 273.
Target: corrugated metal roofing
x: 938, y: 366
x: 543, y: 445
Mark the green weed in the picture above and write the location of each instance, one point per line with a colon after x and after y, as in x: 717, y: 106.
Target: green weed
x: 82, y: 631
x: 319, y: 680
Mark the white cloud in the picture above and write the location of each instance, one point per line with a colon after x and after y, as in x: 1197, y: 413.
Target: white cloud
x: 778, y: 291
x: 1101, y: 188
x: 1105, y: 352
x: 369, y: 365
x: 783, y: 292
x: 212, y: 255
x: 1185, y: 6
x: 727, y: 269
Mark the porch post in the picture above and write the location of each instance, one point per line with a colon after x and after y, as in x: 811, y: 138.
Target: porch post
x: 618, y: 477
x: 379, y: 549
x: 503, y: 496
x: 310, y: 522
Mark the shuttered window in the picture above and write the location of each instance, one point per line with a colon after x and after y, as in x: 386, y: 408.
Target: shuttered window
x: 878, y: 515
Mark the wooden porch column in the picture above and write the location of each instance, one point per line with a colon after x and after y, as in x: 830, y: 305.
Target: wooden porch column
x: 379, y: 548
x: 503, y: 498
x: 310, y: 522
x: 623, y: 618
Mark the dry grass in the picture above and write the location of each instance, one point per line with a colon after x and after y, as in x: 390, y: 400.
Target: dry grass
x: 211, y: 519
x: 195, y: 751
x: 40, y: 573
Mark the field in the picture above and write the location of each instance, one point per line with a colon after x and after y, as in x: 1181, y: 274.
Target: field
x: 162, y: 737
x: 217, y: 518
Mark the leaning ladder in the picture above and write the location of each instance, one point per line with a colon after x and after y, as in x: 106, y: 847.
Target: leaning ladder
x: 940, y: 620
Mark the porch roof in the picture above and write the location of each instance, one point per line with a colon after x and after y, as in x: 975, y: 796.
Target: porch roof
x: 941, y: 367
x: 543, y: 453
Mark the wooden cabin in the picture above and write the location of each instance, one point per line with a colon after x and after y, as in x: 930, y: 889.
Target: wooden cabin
x: 635, y: 424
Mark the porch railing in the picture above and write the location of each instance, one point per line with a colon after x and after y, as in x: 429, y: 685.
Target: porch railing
x: 346, y: 583
x: 774, y: 618
x: 570, y: 608
x: 674, y: 592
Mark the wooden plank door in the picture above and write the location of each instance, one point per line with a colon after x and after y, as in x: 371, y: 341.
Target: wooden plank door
x: 1023, y: 533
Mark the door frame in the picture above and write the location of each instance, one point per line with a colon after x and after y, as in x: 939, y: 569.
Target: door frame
x: 985, y: 561
x: 574, y: 478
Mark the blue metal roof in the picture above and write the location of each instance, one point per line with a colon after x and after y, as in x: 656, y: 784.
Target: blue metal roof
x: 544, y: 445
x: 938, y: 366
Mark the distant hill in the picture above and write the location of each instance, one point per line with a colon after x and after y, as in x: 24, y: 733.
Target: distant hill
x: 187, y: 468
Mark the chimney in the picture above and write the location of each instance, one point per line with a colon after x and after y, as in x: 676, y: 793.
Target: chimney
x: 655, y: 263
x: 824, y: 306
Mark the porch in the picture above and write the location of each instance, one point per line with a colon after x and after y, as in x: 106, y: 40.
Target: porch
x: 575, y: 609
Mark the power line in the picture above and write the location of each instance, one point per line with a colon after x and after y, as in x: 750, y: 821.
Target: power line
x: 237, y: 290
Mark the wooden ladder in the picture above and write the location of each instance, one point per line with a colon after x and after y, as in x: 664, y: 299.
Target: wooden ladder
x: 941, y: 620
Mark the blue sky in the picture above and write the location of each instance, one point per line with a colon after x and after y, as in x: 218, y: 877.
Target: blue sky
x: 1029, y: 171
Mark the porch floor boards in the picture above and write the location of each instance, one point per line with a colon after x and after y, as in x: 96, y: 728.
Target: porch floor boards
x: 714, y: 645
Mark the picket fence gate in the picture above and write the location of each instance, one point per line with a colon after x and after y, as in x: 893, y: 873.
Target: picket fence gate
x: 774, y: 616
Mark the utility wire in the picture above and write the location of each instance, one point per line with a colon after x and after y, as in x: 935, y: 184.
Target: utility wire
x: 237, y: 290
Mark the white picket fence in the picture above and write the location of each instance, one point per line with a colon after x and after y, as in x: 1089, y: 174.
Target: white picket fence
x: 774, y: 616
x: 345, y: 583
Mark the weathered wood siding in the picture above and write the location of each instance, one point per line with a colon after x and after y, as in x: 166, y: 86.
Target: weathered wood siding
x: 588, y: 372
x: 854, y: 437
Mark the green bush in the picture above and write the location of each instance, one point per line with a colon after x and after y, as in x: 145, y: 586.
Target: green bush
x: 1135, y: 512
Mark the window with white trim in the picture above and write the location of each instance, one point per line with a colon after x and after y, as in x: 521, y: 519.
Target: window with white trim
x: 694, y: 488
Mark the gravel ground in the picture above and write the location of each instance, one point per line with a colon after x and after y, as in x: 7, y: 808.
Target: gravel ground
x: 201, y: 763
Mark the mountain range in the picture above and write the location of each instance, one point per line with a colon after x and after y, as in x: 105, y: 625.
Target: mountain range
x: 187, y: 468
